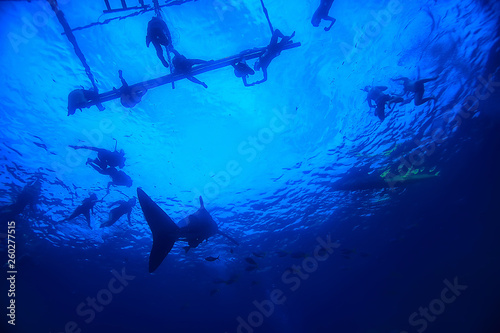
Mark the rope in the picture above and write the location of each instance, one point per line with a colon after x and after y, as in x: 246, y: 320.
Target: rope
x: 267, y: 16
x: 157, y: 8
x: 72, y: 40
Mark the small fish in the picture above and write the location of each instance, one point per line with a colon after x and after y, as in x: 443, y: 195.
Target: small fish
x: 41, y: 145
x: 254, y: 283
x: 250, y: 268
x: 259, y: 254
x: 231, y: 250
x: 250, y: 261
x: 214, y: 291
x: 347, y: 251
x: 211, y: 258
x: 219, y: 281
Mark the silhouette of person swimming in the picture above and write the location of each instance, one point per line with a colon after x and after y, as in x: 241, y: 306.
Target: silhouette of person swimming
x: 129, y: 96
x: 124, y: 207
x: 105, y: 158
x: 80, y: 98
x: 322, y: 14
x: 182, y: 65
x: 241, y: 69
x: 159, y: 35
x: 28, y: 196
x: 272, y: 51
x: 118, y: 177
x: 417, y: 88
x: 84, y: 209
x: 375, y: 94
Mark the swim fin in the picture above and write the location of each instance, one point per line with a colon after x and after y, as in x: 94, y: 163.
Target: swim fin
x: 165, y: 231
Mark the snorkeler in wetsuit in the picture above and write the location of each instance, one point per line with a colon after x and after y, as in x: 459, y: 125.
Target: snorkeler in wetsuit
x: 80, y: 98
x: 417, y: 88
x: 28, y: 196
x: 182, y: 65
x: 130, y: 96
x: 118, y: 177
x: 84, y: 209
x: 105, y: 158
x: 241, y: 69
x: 124, y: 207
x: 159, y: 35
x: 322, y: 14
x: 375, y: 94
x: 272, y: 51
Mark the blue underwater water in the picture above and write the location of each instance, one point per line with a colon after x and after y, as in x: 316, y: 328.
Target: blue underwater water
x: 355, y: 225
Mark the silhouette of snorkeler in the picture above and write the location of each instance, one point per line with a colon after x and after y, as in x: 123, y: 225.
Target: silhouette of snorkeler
x: 105, y: 158
x: 28, y: 196
x: 241, y: 69
x: 417, y: 88
x: 129, y: 96
x: 80, y: 98
x: 84, y: 209
x: 182, y: 65
x: 376, y: 95
x: 124, y: 207
x: 322, y: 14
x: 118, y: 177
x: 272, y: 51
x: 159, y: 35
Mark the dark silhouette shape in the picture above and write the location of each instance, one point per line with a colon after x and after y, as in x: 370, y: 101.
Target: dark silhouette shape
x: 417, y: 88
x: 124, y: 207
x: 80, y: 98
x: 130, y: 97
x: 376, y: 95
x: 193, y: 229
x: 159, y: 35
x: 105, y: 158
x: 241, y: 69
x: 84, y: 209
x: 29, y: 195
x: 272, y: 51
x: 118, y: 177
x: 322, y: 14
x: 182, y: 65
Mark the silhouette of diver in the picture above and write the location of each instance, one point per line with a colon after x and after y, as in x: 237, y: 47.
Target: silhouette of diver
x: 182, y: 65
x: 29, y: 196
x: 159, y: 35
x: 417, y: 88
x: 124, y: 207
x: 84, y: 209
x: 118, y: 177
x: 129, y: 96
x: 241, y: 69
x: 80, y: 98
x: 322, y: 14
x: 272, y: 51
x: 376, y: 95
x: 105, y: 158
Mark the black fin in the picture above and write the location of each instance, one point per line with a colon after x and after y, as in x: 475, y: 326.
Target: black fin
x: 164, y: 230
